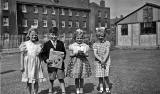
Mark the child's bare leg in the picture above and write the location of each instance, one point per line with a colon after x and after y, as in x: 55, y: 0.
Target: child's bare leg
x: 77, y: 85
x: 29, y: 85
x: 81, y: 85
x: 101, y: 83
x: 36, y: 88
x: 52, y: 83
x: 62, y: 85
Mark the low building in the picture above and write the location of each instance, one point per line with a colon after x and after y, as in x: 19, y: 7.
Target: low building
x: 141, y: 28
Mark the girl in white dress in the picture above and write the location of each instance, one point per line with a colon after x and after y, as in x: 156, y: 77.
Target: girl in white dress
x: 31, y: 67
x: 102, y: 59
x: 79, y: 67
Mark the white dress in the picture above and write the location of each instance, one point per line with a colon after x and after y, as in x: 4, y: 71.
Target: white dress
x: 32, y: 64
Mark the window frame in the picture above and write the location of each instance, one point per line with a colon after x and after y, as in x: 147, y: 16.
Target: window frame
x: 25, y: 23
x: 53, y: 11
x: 84, y: 24
x: 148, y: 28
x: 99, y: 14
x: 62, y: 12
x: 5, y: 5
x: 35, y: 22
x: 5, y: 21
x: 70, y: 24
x: 45, y: 23
x: 45, y: 11
x: 77, y: 24
x: 63, y: 24
x: 124, y: 29
x: 35, y: 9
x: 54, y: 23
x: 24, y: 8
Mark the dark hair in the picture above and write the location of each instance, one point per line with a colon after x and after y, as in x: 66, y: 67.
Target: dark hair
x: 54, y: 30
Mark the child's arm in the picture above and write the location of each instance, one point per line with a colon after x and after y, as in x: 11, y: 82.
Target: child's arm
x: 106, y: 54
x: 96, y: 55
x: 22, y: 62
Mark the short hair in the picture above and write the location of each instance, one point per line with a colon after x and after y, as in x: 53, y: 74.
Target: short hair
x: 54, y: 30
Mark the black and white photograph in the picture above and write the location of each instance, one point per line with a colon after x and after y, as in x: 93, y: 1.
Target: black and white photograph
x: 79, y: 46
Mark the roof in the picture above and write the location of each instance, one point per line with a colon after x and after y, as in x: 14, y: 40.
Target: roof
x: 80, y: 4
x: 147, y: 4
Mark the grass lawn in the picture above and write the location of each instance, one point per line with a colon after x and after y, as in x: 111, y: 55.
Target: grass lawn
x: 131, y: 72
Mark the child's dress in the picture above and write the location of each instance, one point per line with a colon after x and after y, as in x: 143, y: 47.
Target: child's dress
x: 101, y: 50
x: 32, y: 64
x: 78, y: 67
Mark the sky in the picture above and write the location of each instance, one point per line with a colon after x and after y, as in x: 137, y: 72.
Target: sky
x: 125, y: 7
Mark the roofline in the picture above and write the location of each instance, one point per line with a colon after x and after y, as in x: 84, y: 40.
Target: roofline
x: 87, y: 9
x: 147, y: 4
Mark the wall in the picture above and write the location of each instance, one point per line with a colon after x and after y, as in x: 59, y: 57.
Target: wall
x: 135, y: 34
x: 148, y: 40
x: 124, y: 40
x: 158, y: 33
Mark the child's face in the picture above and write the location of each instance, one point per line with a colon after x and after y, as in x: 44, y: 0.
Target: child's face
x: 101, y: 36
x: 33, y: 36
x: 79, y: 39
x: 53, y: 36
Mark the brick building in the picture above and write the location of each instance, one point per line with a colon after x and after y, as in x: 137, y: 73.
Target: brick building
x: 99, y: 15
x: 67, y: 15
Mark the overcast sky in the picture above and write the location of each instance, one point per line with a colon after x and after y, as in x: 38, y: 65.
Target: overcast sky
x: 124, y: 7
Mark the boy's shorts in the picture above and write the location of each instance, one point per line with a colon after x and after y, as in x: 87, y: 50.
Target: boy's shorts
x: 55, y: 73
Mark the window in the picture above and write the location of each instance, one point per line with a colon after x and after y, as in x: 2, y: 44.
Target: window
x: 5, y: 21
x: 35, y: 9
x: 77, y: 24
x: 99, y: 24
x: 99, y: 13
x: 70, y: 12
x: 62, y: 12
x: 84, y: 24
x: 24, y: 9
x: 77, y: 13
x: 70, y: 24
x: 124, y: 29
x: 106, y: 25
x: 53, y: 11
x: 148, y: 28
x: 63, y: 24
x: 5, y: 5
x: 44, y: 10
x: 84, y: 15
x: 35, y: 21
x: 53, y: 23
x: 106, y: 15
x: 24, y: 23
x: 44, y: 23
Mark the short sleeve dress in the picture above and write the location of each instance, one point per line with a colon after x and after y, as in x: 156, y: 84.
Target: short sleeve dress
x: 78, y: 67
x: 101, y: 49
x: 32, y: 63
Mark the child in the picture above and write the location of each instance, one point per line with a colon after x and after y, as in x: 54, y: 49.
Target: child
x: 53, y: 72
x: 102, y: 59
x: 31, y: 67
x: 79, y: 67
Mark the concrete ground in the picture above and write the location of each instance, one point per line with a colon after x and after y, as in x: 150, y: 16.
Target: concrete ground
x: 131, y: 72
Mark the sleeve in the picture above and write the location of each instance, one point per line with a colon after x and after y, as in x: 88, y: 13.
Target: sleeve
x: 22, y: 46
x: 108, y: 44
x: 70, y: 47
x: 64, y: 50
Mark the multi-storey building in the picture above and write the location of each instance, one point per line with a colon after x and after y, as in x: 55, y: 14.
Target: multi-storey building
x: 67, y: 15
x: 99, y: 16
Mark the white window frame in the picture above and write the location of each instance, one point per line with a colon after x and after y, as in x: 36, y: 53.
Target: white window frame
x: 45, y: 23
x: 5, y: 21
x: 35, y: 9
x: 24, y: 8
x: 70, y: 12
x: 84, y: 15
x: 25, y: 23
x: 5, y: 5
x: 106, y: 15
x: 77, y: 24
x: 53, y: 23
x: 53, y: 11
x: 84, y: 24
x: 106, y: 25
x: 35, y: 21
x: 44, y: 10
x: 99, y: 14
x: 77, y: 13
x: 63, y: 24
x: 62, y: 12
x: 70, y: 24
